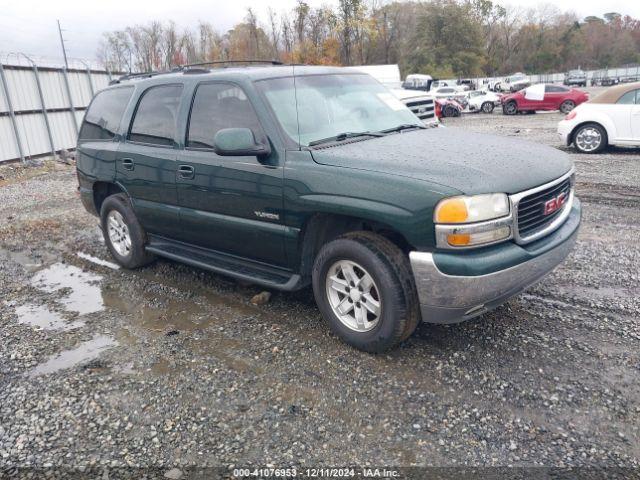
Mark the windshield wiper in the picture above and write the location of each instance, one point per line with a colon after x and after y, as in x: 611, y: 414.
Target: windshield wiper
x: 404, y: 126
x: 343, y: 136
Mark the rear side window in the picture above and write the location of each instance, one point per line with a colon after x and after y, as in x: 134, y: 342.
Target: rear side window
x: 629, y: 98
x: 555, y: 89
x: 217, y: 106
x: 156, y: 115
x: 105, y: 112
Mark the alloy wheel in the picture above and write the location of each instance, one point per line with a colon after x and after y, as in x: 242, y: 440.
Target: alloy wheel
x: 353, y: 296
x: 119, y: 235
x: 567, y: 106
x: 588, y: 139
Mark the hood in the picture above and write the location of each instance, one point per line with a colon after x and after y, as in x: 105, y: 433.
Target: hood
x: 468, y: 162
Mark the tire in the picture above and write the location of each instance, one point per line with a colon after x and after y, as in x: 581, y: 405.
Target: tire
x: 510, y: 108
x: 392, y: 285
x: 590, y: 144
x: 487, y: 107
x: 449, y: 111
x: 567, y: 106
x: 117, y: 219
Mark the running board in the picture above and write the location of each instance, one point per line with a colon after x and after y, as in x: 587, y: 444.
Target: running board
x: 240, y: 269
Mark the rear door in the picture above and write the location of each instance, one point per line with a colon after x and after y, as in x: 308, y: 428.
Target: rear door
x: 635, y: 118
x: 146, y: 163
x: 231, y: 204
x: 554, y: 95
x: 624, y: 114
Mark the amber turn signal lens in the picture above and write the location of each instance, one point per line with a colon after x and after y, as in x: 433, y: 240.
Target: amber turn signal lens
x: 452, y: 211
x: 458, y: 239
x: 571, y: 116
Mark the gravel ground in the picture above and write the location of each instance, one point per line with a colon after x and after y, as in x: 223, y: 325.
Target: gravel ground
x: 172, y: 367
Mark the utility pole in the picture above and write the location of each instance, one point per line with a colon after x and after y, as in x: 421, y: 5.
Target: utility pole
x: 64, y: 50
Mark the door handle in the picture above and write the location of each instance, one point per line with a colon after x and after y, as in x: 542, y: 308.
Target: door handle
x: 128, y: 164
x: 186, y: 171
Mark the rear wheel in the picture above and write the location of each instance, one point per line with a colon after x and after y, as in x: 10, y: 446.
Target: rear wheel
x: 487, y: 107
x: 567, y: 106
x: 123, y: 234
x: 510, y: 108
x: 364, y: 288
x: 590, y: 138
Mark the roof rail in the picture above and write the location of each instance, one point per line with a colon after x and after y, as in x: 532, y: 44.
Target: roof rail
x: 130, y: 76
x: 226, y: 62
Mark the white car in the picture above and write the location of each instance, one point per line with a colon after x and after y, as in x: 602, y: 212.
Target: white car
x: 514, y: 83
x: 611, y: 118
x: 482, y: 100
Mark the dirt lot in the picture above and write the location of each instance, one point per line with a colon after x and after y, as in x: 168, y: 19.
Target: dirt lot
x: 173, y: 367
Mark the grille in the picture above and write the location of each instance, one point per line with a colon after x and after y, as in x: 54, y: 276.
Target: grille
x: 531, y: 217
x: 423, y: 109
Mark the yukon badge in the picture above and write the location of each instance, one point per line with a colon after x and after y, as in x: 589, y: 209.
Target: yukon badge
x: 270, y: 216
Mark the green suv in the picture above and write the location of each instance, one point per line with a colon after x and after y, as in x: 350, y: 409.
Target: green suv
x: 290, y: 176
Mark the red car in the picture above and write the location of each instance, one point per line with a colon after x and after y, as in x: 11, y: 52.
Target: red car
x: 553, y: 97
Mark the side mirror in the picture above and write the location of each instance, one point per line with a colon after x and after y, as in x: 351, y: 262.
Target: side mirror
x: 239, y: 142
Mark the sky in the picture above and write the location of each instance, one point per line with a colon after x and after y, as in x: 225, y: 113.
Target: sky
x: 30, y: 27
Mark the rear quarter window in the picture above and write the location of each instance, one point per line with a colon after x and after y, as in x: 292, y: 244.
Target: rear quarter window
x: 104, y: 114
x: 629, y: 98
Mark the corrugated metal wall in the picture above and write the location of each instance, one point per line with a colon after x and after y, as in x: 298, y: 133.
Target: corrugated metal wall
x: 44, y: 108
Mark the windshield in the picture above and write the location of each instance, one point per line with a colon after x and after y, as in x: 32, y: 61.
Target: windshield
x: 331, y: 105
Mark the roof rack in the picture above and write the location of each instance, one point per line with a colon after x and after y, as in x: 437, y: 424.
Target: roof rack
x: 130, y: 76
x: 226, y: 62
x: 188, y: 69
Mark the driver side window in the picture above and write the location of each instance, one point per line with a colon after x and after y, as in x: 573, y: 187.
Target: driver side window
x: 217, y: 106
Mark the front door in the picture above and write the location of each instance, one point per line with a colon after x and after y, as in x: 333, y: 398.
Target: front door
x: 227, y: 203
x: 146, y: 160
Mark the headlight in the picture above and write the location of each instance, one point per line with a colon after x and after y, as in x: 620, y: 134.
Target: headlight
x: 472, y: 209
x: 473, y: 221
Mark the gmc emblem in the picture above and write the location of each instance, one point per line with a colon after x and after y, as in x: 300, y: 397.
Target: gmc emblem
x: 555, y: 203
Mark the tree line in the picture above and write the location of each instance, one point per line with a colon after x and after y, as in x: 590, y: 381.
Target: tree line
x: 443, y: 38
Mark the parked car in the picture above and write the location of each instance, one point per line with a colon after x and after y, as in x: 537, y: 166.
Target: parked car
x: 610, y: 118
x: 543, y: 97
x: 320, y: 176
x: 514, y: 83
x: 483, y: 101
x: 450, y: 93
x: 449, y: 107
x: 420, y: 103
x: 417, y: 81
x: 575, y: 77
x: 609, y: 81
x: 466, y: 83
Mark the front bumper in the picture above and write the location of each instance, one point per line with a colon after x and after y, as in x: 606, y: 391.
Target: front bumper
x: 564, y: 131
x: 452, y: 298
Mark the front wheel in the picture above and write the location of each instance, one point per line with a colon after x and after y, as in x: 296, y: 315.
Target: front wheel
x: 487, y: 107
x: 567, y: 106
x: 364, y: 288
x: 510, y: 108
x: 590, y: 138
x: 123, y: 234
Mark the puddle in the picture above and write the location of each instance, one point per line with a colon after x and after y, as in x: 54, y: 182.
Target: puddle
x: 84, y: 294
x: 41, y: 317
x: 70, y: 358
x: 21, y: 258
x: 98, y: 261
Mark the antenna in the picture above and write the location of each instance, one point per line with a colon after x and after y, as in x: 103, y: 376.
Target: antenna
x: 64, y: 50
